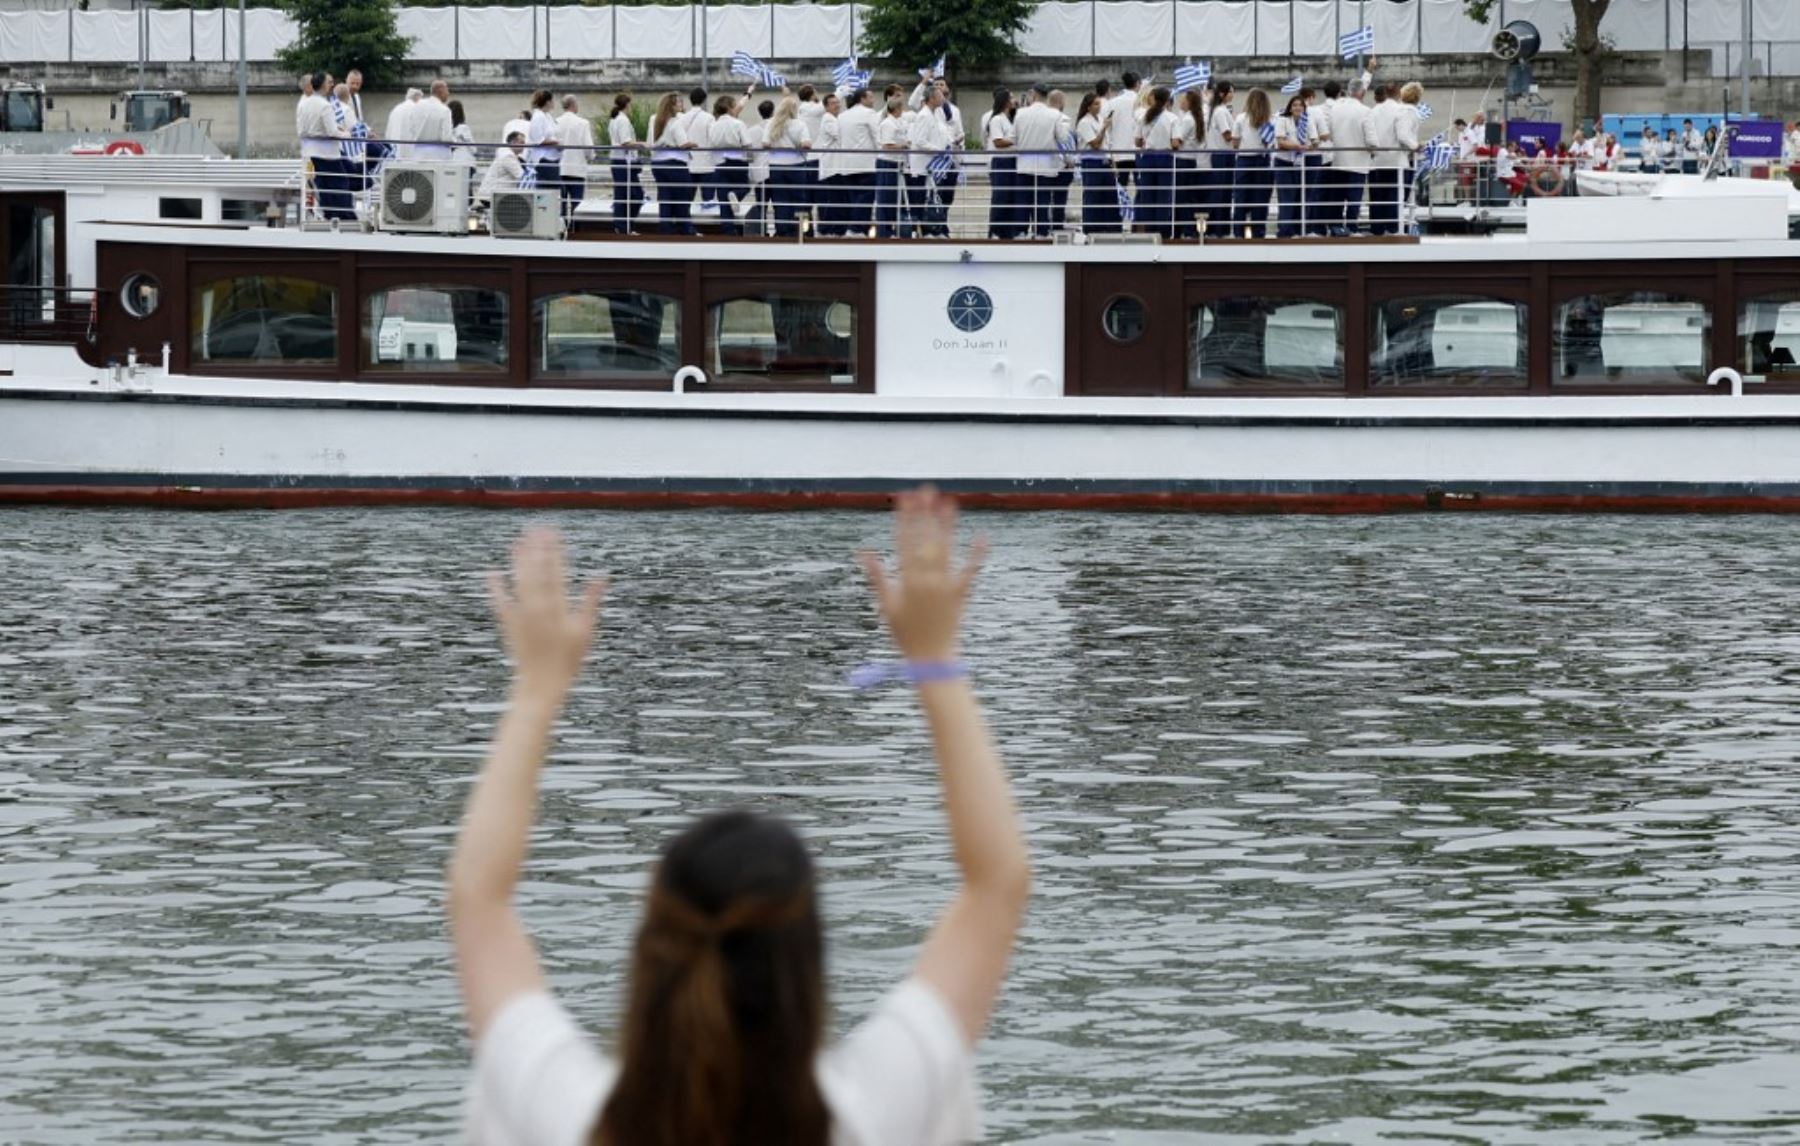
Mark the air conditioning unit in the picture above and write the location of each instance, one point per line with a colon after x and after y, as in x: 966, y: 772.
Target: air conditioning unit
x: 526, y: 215
x: 432, y: 197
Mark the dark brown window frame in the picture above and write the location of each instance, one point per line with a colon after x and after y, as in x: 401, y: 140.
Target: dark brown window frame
x: 204, y: 268
x: 853, y: 284
x: 1700, y: 285
x: 550, y: 281
x: 1514, y: 288
x: 1337, y: 292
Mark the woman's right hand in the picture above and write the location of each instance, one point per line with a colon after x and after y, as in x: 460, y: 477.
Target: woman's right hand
x: 923, y: 605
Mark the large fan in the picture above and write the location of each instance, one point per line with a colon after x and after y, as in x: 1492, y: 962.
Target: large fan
x: 409, y: 196
x: 513, y: 214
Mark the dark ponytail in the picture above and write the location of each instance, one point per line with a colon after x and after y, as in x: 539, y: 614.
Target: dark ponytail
x: 1159, y: 103
x: 727, y: 1003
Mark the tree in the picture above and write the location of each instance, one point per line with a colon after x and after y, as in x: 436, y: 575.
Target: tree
x: 914, y: 33
x: 337, y: 35
x: 1588, y: 50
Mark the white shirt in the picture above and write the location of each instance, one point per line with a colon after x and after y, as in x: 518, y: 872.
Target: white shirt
x: 1473, y: 138
x: 399, y: 128
x: 671, y: 145
x: 1693, y: 144
x: 811, y: 112
x: 1221, y: 126
x: 1037, y: 131
x: 699, y: 129
x: 1159, y: 134
x: 432, y: 130
x: 1286, y: 128
x: 1087, y: 131
x: 754, y: 135
x: 829, y: 140
x: 995, y: 128
x: 539, y: 135
x: 784, y: 151
x: 726, y: 137
x: 573, y: 129
x: 904, y: 1077
x: 1187, y: 135
x: 891, y: 134
x: 927, y: 133
x: 858, y: 131
x: 503, y: 174
x: 522, y: 126
x: 1250, y: 135
x: 619, y: 132
x: 1349, y: 145
x: 1121, y: 131
x: 314, y: 119
x: 1383, y: 130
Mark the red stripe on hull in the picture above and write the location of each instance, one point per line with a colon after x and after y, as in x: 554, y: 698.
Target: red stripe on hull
x: 181, y: 497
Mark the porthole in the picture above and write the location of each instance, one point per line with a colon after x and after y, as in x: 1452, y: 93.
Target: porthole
x: 1123, y: 319
x: 140, y: 295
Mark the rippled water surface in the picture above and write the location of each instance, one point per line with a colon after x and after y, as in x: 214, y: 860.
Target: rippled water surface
x: 1470, y: 829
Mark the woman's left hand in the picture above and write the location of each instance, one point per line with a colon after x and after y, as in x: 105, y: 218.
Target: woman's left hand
x: 547, y: 635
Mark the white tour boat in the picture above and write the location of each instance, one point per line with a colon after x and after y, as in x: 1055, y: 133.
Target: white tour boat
x: 161, y: 345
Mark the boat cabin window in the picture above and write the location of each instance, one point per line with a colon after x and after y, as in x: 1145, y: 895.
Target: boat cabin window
x: 782, y: 339
x: 270, y: 319
x: 179, y: 207
x: 1124, y: 318
x: 600, y: 334
x: 1447, y: 340
x: 1250, y: 342
x: 436, y: 330
x: 1632, y: 337
x: 1769, y: 335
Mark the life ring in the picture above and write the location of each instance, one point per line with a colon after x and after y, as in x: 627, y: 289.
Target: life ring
x: 1548, y: 181
x: 124, y: 147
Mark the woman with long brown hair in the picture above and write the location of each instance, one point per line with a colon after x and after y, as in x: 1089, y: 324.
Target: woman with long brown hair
x: 1253, y: 181
x: 725, y: 1016
x: 670, y: 145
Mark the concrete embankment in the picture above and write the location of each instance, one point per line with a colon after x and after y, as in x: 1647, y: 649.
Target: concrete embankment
x: 493, y: 92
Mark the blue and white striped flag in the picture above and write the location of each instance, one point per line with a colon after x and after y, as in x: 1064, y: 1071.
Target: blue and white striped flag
x: 1439, y: 153
x: 528, y: 181
x: 745, y: 64
x: 1190, y: 76
x: 1066, y: 142
x: 355, y: 147
x: 1268, y: 134
x: 1303, y: 126
x: 1127, y: 212
x: 939, y: 165
x: 937, y: 69
x: 848, y: 75
x: 1425, y: 112
x: 1358, y: 43
x: 1293, y: 86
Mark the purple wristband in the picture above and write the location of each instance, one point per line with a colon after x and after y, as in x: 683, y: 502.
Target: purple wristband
x: 908, y: 672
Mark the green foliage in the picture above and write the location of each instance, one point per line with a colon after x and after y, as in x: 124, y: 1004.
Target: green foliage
x: 913, y: 33
x: 1479, y: 10
x: 337, y: 35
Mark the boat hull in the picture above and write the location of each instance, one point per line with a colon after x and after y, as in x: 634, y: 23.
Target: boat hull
x: 333, y: 444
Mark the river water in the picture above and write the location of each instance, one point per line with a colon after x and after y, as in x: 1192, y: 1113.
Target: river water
x: 1472, y: 829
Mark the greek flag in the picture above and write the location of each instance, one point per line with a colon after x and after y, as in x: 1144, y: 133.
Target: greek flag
x: 528, y: 181
x: 338, y: 114
x: 1190, y: 75
x: 1293, y: 86
x: 745, y: 64
x: 1439, y: 154
x: 1268, y: 134
x: 937, y: 69
x: 1066, y: 143
x: 354, y: 148
x: 1425, y: 112
x: 1126, y: 211
x: 1303, y: 126
x: 849, y: 78
x: 939, y: 166
x: 1358, y: 43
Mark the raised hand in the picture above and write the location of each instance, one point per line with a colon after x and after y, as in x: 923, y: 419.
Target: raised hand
x: 923, y: 605
x: 546, y: 633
